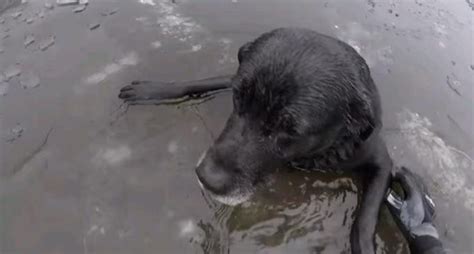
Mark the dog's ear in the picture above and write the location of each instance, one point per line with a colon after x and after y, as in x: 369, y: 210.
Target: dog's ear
x: 368, y: 125
x: 243, y: 51
x: 365, y: 133
x: 360, y: 119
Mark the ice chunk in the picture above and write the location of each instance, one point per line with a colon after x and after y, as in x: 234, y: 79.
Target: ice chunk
x: 4, y: 88
x: 29, y: 80
x: 12, y: 71
x: 454, y: 83
x: 109, y: 13
x: 14, y: 133
x: 66, y: 2
x: 113, y: 11
x: 149, y: 2
x: 79, y: 8
x: 29, y: 39
x: 129, y: 59
x: 196, y: 47
x: 187, y: 227
x: 94, y: 26
x: 173, y: 147
x: 83, y: 1
x: 29, y: 20
x: 49, y: 6
x: 156, y: 44
x: 116, y: 155
x: 16, y: 15
x: 47, y: 43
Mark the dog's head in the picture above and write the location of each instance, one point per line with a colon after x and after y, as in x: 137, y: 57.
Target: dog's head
x: 291, y: 101
x: 277, y: 118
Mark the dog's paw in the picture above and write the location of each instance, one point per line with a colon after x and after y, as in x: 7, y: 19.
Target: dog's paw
x: 144, y: 90
x: 137, y: 90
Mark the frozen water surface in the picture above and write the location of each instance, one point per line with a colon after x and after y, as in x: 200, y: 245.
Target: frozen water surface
x: 83, y: 173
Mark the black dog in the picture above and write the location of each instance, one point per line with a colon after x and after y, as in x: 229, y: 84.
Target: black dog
x: 301, y: 99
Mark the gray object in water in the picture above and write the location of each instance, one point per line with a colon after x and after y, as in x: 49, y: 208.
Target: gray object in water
x: 66, y: 2
x: 46, y: 44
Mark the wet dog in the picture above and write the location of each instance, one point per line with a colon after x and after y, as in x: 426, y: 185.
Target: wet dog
x: 301, y: 99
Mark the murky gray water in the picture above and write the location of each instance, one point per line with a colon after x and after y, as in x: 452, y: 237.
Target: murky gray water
x: 80, y: 174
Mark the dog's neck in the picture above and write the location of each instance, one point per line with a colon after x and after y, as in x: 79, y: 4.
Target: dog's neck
x: 340, y: 151
x: 329, y: 160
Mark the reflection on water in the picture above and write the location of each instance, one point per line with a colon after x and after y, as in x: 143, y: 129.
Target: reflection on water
x: 295, y: 212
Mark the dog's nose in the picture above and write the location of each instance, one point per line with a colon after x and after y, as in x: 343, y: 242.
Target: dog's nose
x: 214, y: 179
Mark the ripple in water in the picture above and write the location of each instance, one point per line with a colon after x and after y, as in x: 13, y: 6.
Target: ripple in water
x: 296, y: 212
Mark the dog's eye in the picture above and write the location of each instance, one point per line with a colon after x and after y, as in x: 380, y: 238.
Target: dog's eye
x: 284, y: 140
x: 284, y: 144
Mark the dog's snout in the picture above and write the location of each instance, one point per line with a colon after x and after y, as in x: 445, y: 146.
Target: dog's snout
x: 214, y: 178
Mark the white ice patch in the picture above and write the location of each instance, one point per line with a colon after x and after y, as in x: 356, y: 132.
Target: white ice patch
x: 362, y: 40
x: 116, y: 155
x: 446, y: 164
x: 101, y: 76
x: 173, y: 147
x: 225, y: 41
x: 171, y: 22
x: 196, y: 47
x: 92, y: 229
x: 440, y: 28
x: 143, y: 20
x: 226, y: 56
x: 187, y: 228
x: 156, y: 44
x: 148, y: 2
x: 128, y: 60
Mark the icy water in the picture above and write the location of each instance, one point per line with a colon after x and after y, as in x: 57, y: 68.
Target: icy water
x: 81, y: 174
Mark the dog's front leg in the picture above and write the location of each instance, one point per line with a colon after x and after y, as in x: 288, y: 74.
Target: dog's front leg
x: 157, y: 92
x: 377, y: 172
